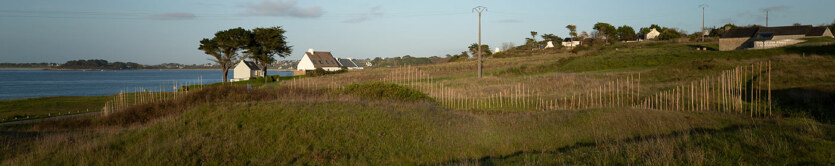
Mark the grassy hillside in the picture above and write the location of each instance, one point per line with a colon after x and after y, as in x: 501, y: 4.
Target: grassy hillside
x: 519, y: 113
x: 19, y: 109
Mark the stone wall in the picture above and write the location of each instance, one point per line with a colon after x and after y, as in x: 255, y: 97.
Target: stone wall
x: 727, y: 44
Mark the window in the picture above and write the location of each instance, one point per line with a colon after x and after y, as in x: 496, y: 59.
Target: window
x: 320, y: 61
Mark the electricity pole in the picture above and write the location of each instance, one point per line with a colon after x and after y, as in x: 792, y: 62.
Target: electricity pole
x: 703, y: 6
x: 766, y: 18
x: 479, y: 9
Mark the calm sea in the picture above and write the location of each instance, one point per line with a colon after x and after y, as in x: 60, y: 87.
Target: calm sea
x: 16, y: 84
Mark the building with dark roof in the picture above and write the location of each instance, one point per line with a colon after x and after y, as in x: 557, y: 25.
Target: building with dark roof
x: 768, y: 37
x: 325, y: 60
x: 245, y: 70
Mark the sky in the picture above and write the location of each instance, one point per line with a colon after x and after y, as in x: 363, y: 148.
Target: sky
x: 169, y: 31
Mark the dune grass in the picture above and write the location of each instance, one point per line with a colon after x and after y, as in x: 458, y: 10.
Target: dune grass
x: 356, y: 117
x: 32, y: 108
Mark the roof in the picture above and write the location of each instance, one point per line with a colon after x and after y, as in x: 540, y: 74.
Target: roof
x: 786, y: 30
x: 740, y: 32
x: 251, y: 65
x: 347, y: 63
x: 568, y: 39
x: 817, y: 31
x: 322, y: 59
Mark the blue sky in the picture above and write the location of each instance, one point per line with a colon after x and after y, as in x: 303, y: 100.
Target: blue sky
x: 159, y: 31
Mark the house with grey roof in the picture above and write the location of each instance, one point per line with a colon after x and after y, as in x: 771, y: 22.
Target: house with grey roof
x: 245, y: 70
x: 769, y: 37
x: 325, y: 60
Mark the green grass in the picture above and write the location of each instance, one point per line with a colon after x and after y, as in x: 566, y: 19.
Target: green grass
x: 49, y: 106
x: 353, y: 132
x: 386, y: 91
x: 373, y: 123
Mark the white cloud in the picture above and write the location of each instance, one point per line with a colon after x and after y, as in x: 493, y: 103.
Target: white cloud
x: 775, y: 8
x: 173, y: 16
x: 510, y: 21
x: 280, y: 8
x: 374, y: 12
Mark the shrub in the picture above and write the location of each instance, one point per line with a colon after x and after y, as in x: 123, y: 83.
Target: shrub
x: 385, y: 91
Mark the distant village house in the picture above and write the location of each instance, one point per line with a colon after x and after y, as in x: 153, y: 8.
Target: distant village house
x: 769, y: 37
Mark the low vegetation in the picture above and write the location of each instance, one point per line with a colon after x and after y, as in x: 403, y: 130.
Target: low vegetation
x: 431, y: 115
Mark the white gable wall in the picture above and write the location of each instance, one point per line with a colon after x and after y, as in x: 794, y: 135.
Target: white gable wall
x: 305, y: 64
x: 242, y: 72
x: 652, y: 34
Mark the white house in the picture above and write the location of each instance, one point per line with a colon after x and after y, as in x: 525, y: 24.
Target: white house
x: 497, y: 50
x: 318, y: 59
x: 245, y: 70
x: 549, y: 45
x: 569, y: 42
x: 652, y: 34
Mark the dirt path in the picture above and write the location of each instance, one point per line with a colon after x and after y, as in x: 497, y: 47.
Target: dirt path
x: 50, y: 118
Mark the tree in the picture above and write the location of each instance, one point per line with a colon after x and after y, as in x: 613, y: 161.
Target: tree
x: 606, y: 30
x: 224, y: 47
x: 670, y: 33
x: 832, y: 26
x: 626, y: 33
x: 532, y: 40
x: 551, y: 37
x: 266, y: 44
x: 484, y: 49
x: 507, y: 46
x: 572, y: 31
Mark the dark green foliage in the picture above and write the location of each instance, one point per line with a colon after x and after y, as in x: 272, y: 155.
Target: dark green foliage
x: 553, y: 38
x: 100, y: 64
x: 670, y: 33
x: 572, y: 30
x: 606, y: 30
x: 460, y: 57
x: 321, y: 72
x: 266, y: 44
x: 485, y: 50
x: 627, y: 33
x: 386, y: 91
x: 401, y: 61
x: 224, y: 47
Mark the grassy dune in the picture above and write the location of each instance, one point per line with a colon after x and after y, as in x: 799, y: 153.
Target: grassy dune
x: 18, y: 109
x: 405, y: 115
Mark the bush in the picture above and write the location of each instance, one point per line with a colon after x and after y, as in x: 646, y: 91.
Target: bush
x: 386, y: 91
x: 321, y: 72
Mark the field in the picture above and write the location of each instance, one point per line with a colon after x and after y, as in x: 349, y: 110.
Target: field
x: 657, y: 103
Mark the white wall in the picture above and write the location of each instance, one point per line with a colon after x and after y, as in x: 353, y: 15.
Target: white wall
x: 305, y: 64
x: 242, y: 72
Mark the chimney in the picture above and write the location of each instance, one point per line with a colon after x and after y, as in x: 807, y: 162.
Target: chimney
x: 310, y: 50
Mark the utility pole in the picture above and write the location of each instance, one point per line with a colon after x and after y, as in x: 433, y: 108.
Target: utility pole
x: 479, y: 9
x: 703, y: 6
x: 766, y: 18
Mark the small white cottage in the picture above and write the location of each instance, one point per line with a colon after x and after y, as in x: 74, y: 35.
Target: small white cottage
x: 550, y: 44
x: 652, y: 34
x: 570, y: 42
x: 245, y: 70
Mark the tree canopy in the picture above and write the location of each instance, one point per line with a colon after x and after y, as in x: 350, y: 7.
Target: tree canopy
x: 626, y: 32
x: 266, y: 44
x: 606, y: 30
x: 572, y: 30
x: 485, y: 50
